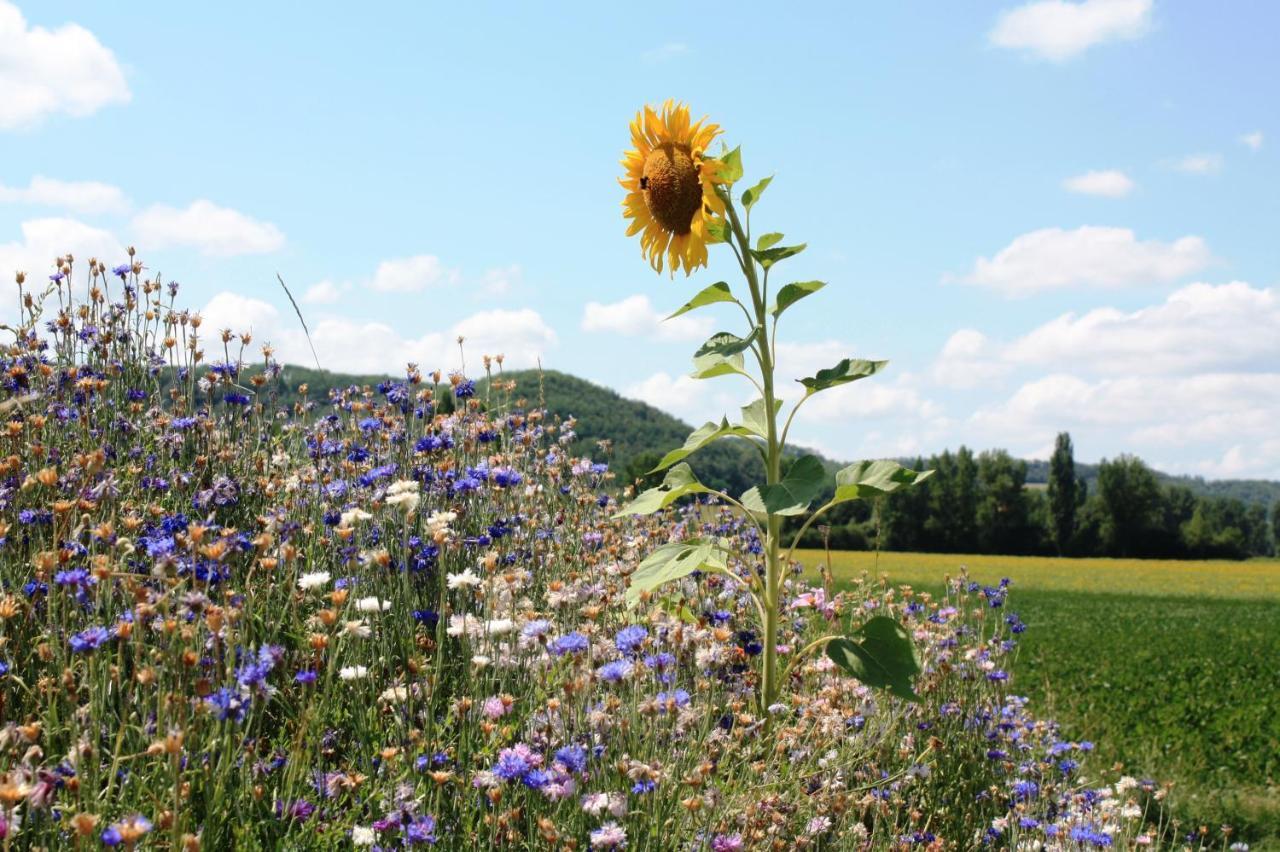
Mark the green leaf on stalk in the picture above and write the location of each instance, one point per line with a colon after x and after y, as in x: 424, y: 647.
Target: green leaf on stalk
x: 752, y: 195
x: 793, y: 293
x: 673, y: 561
x: 865, y: 479
x: 798, y: 488
x: 768, y: 257
x: 710, y: 366
x: 730, y: 169
x: 848, y: 370
x: 726, y: 344
x: 717, y: 292
x: 699, y: 438
x: 767, y: 241
x: 718, y: 230
x: 881, y: 655
x: 754, y: 418
x: 679, y: 482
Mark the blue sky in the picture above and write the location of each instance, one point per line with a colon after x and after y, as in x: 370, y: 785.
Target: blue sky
x: 1048, y: 215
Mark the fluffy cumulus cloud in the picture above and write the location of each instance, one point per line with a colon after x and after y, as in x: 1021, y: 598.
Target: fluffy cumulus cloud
x: 43, y: 240
x: 1110, y: 183
x: 411, y: 274
x: 322, y: 293
x: 1199, y: 327
x: 44, y: 72
x: 1058, y: 30
x: 87, y: 197
x: 206, y: 227
x: 635, y: 316
x: 969, y: 359
x: 366, y: 346
x: 1053, y: 258
x: 1191, y: 383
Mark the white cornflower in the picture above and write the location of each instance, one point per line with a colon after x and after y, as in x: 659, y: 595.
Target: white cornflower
x: 352, y: 672
x: 499, y: 626
x: 313, y: 580
x: 352, y: 516
x: 362, y: 835
x: 372, y: 604
x: 358, y: 629
x: 463, y: 579
x: 464, y: 624
x: 395, y: 694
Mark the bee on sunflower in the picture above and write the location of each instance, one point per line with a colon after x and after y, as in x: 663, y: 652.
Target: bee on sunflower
x: 671, y: 196
x: 679, y: 200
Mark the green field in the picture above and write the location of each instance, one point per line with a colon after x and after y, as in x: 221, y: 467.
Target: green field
x: 1173, y: 668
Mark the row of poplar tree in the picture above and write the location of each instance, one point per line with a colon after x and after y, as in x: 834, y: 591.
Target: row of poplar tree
x: 982, y: 504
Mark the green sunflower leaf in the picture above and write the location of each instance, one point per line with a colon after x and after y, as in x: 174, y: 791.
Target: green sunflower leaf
x: 793, y: 293
x: 881, y: 655
x: 717, y: 292
x: 798, y: 488
x: 680, y: 481
x: 848, y: 370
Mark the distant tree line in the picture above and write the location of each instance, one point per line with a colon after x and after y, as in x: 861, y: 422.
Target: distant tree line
x: 982, y: 504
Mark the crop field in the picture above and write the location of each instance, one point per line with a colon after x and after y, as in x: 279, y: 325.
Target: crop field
x: 1171, y: 666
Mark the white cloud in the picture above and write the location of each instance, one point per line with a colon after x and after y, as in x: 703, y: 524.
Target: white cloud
x: 1198, y: 164
x: 1111, y: 183
x: 207, y: 227
x: 968, y: 360
x: 43, y: 240
x: 1053, y: 258
x: 1252, y: 140
x: 663, y: 53
x: 1058, y: 30
x: 78, y: 196
x: 362, y: 346
x: 501, y: 280
x: 44, y: 72
x: 1207, y: 413
x: 411, y: 274
x: 1199, y: 327
x: 635, y: 316
x: 1191, y: 377
x: 322, y: 293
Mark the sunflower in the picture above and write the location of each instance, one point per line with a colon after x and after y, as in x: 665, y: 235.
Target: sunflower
x: 670, y: 188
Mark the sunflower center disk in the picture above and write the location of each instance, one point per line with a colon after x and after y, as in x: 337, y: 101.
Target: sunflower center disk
x: 672, y: 190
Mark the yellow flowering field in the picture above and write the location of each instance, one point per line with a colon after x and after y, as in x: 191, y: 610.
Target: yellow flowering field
x: 1252, y: 580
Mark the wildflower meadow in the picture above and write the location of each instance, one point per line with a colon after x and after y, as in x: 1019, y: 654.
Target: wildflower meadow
x: 422, y: 614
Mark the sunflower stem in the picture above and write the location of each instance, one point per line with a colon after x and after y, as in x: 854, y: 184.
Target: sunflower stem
x: 769, y: 681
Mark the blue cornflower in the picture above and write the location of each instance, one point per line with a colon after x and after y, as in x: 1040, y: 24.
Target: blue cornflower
x: 570, y: 643
x: 305, y: 676
x: 89, y: 639
x: 615, y: 671
x: 465, y: 389
x: 422, y: 829
x: 572, y: 758
x: 679, y: 697
x: 512, y: 764
x: 629, y: 639
x: 228, y: 704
